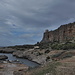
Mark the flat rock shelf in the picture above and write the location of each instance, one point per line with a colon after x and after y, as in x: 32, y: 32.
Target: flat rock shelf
x: 23, y: 61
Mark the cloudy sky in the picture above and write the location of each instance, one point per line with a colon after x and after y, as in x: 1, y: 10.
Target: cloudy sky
x: 24, y: 21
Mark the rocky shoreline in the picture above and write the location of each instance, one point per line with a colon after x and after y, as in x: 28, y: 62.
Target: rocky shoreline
x: 40, y: 56
x: 35, y: 55
x: 10, y: 67
x: 31, y: 55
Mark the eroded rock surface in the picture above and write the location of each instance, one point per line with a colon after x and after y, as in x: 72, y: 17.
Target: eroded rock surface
x: 10, y: 68
x: 38, y: 56
x: 62, y: 34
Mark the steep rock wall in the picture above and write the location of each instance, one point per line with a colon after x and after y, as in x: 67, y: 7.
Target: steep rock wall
x: 62, y: 34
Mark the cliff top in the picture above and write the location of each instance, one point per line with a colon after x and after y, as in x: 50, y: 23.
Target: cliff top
x: 63, y: 33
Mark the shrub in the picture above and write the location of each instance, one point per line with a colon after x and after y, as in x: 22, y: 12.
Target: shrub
x: 65, y: 46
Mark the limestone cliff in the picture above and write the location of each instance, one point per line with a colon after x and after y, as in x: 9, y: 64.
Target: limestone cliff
x: 62, y: 34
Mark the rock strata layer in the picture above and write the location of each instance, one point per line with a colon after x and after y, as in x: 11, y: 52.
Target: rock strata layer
x: 62, y: 34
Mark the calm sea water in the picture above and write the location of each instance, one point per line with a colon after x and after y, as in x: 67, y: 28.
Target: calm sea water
x: 24, y: 61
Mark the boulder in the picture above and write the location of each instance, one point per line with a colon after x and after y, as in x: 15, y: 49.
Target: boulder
x: 18, y: 54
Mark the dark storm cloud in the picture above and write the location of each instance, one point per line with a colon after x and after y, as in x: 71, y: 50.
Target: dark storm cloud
x: 24, y: 21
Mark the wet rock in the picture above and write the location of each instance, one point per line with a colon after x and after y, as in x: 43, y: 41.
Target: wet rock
x: 3, y: 57
x: 32, y: 55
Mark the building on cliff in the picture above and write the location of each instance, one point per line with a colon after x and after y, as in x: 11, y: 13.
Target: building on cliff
x: 62, y: 34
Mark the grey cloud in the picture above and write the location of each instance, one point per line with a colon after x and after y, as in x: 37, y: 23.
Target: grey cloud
x: 32, y: 17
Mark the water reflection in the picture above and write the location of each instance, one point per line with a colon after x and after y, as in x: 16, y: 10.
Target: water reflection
x: 24, y: 61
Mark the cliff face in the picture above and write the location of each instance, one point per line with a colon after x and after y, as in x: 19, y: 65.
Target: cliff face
x: 62, y: 34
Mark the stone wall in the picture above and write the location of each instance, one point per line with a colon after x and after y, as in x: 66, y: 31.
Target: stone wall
x: 62, y: 34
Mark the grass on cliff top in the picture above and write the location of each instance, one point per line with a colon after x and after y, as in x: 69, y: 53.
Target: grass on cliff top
x: 48, y: 68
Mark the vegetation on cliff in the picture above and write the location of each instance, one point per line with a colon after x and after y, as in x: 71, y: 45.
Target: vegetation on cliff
x: 57, y: 46
x: 65, y: 46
